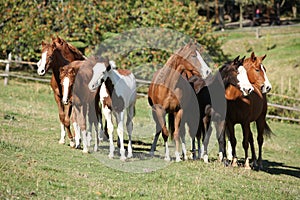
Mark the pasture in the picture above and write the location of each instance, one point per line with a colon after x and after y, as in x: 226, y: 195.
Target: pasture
x: 34, y: 165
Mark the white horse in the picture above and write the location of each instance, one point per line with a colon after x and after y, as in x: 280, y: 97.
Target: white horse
x: 120, y: 86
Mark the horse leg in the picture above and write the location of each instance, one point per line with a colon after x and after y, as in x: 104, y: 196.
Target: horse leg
x: 120, y: 131
x: 182, y: 137
x: 61, y: 118
x: 76, y: 127
x: 68, y: 109
x: 221, y: 139
x: 251, y: 142
x: 206, y: 135
x: 246, y: 133
x: 230, y: 133
x: 177, y: 121
x: 129, y: 126
x: 82, y: 125
x: 260, y: 140
x: 159, y: 114
x: 110, y: 128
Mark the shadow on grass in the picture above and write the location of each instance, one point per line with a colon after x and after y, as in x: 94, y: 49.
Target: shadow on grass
x: 278, y: 168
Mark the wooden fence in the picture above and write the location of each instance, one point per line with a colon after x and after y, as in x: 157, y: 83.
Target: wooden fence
x: 8, y: 74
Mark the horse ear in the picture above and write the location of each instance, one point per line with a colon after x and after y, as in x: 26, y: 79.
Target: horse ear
x: 52, y: 38
x: 43, y: 43
x: 236, y: 59
x: 108, y: 68
x: 253, y: 58
x: 264, y: 57
x: 242, y: 59
x: 59, y: 40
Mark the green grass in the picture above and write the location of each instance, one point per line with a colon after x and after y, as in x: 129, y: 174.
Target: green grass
x: 34, y: 165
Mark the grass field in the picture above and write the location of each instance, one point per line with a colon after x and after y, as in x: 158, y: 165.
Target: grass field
x: 34, y: 165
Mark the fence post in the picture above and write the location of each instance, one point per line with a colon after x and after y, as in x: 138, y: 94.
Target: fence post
x: 257, y: 33
x: 7, y: 69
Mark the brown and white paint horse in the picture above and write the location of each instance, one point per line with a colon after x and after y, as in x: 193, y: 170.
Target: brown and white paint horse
x: 54, y: 56
x: 74, y: 79
x: 120, y: 86
x: 243, y: 110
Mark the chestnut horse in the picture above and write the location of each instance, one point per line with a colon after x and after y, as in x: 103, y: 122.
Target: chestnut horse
x: 74, y: 79
x: 243, y: 110
x: 120, y: 85
x: 54, y: 56
x: 212, y: 104
x: 170, y: 93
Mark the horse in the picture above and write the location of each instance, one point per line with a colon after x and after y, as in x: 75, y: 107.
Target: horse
x: 121, y: 87
x: 74, y: 80
x: 244, y: 110
x: 212, y: 104
x: 170, y: 92
x: 54, y: 56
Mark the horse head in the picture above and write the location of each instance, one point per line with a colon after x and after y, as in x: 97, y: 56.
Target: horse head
x: 100, y: 73
x: 67, y: 77
x: 234, y: 75
x: 191, y: 53
x: 257, y: 73
x: 51, y: 58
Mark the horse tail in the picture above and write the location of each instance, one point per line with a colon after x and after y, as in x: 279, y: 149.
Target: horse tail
x: 267, y: 131
x: 171, y: 124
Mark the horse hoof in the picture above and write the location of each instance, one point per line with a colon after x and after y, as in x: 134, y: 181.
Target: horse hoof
x: 110, y: 156
x: 167, y: 159
x: 247, y: 167
x: 205, y: 158
x: 61, y: 141
x: 178, y: 160
x: 123, y: 158
x: 72, y: 144
x: 151, y: 153
x: 95, y: 149
x: 85, y: 151
x: 129, y: 155
x: 234, y: 162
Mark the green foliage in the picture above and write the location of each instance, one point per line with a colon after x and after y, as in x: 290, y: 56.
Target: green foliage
x: 25, y: 24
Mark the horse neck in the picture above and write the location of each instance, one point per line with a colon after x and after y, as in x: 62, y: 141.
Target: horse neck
x: 60, y: 61
x: 257, y: 90
x: 114, y: 76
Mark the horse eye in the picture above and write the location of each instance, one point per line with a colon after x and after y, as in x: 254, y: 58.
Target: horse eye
x: 257, y: 70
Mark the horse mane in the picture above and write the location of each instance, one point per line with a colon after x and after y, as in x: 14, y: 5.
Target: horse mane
x: 76, y: 53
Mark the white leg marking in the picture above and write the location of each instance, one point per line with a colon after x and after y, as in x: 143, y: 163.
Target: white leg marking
x: 77, y: 134
x: 167, y: 152
x: 84, y: 141
x: 62, y: 134
x: 229, y: 150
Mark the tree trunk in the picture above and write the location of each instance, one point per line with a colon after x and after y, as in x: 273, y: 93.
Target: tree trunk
x: 217, y: 12
x: 241, y: 16
x: 207, y: 10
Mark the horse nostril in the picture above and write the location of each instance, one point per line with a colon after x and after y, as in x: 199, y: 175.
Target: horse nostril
x: 250, y: 90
